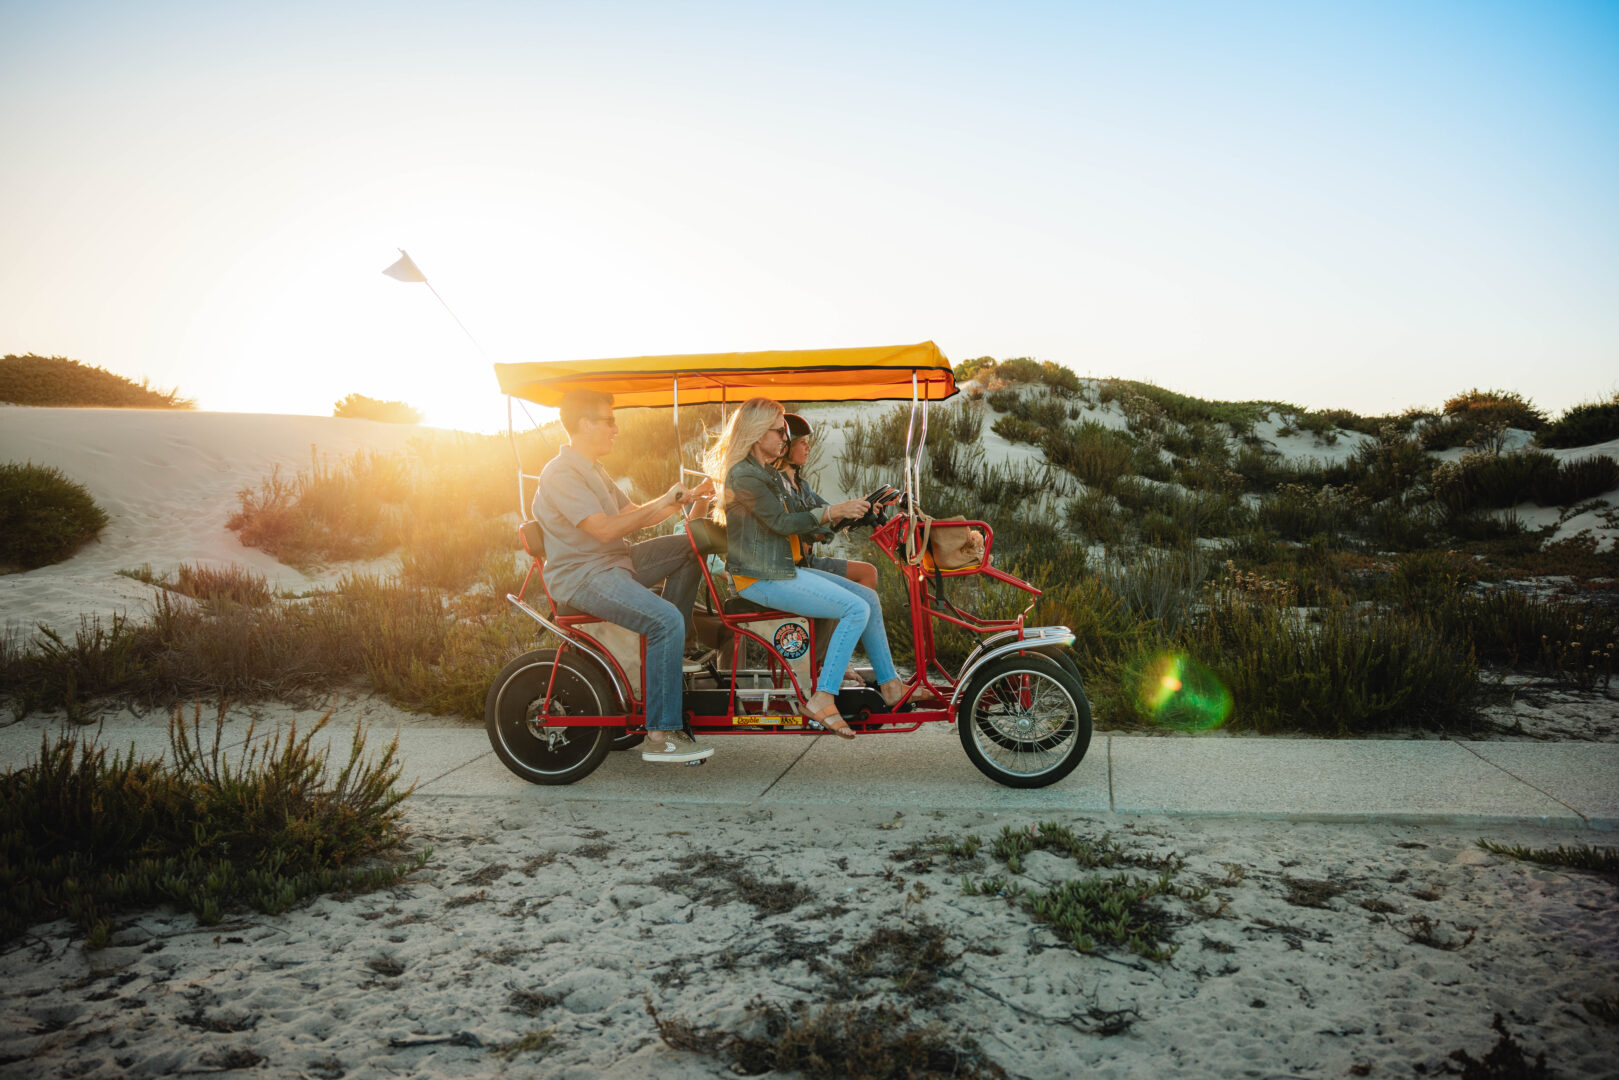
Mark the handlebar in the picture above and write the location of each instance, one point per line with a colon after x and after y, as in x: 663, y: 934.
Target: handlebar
x: 881, y: 499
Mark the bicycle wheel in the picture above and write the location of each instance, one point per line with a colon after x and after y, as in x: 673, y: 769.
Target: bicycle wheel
x: 546, y: 754
x: 1024, y: 720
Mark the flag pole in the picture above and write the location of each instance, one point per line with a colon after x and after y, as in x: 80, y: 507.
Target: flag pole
x: 405, y: 269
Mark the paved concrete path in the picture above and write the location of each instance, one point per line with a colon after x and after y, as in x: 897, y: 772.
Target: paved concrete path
x: 1572, y: 785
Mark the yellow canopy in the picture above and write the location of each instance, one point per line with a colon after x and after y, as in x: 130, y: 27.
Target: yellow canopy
x: 881, y: 373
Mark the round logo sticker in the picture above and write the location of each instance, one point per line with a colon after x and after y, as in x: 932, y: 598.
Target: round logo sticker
x: 792, y: 640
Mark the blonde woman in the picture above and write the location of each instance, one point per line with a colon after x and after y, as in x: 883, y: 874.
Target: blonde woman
x: 762, y: 536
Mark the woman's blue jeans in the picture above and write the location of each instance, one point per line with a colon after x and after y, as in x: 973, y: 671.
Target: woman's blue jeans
x: 859, y: 613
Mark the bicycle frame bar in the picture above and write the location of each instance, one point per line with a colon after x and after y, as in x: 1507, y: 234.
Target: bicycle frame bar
x: 590, y: 649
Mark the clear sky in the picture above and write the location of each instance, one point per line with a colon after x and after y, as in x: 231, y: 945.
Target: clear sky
x: 1358, y: 205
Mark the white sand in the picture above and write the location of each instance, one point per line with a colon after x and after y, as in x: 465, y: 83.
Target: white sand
x: 559, y: 912
x: 168, y: 481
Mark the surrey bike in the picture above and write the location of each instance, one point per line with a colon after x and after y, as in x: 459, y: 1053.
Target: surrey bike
x: 1017, y: 701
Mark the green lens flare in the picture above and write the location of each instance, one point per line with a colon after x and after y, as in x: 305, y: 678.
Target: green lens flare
x: 1178, y: 692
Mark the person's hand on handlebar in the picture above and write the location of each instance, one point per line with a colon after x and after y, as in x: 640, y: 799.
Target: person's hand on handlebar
x: 679, y: 493
x: 848, y: 510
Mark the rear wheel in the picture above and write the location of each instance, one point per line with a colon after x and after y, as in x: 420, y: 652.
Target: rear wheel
x: 1024, y: 720
x: 546, y: 753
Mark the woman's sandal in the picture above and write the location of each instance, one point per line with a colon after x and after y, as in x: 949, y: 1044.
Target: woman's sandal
x: 831, y: 720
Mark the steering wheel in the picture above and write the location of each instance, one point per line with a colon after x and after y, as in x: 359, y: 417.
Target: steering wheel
x: 880, y: 499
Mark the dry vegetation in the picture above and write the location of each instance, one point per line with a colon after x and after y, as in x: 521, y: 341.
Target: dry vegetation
x: 58, y: 381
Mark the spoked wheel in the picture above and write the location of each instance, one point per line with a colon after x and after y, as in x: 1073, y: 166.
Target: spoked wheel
x: 1024, y: 720
x: 547, y: 754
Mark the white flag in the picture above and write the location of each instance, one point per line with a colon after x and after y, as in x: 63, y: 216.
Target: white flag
x: 405, y: 269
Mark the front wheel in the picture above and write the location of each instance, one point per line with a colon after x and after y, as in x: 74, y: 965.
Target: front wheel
x: 545, y: 753
x: 1024, y: 720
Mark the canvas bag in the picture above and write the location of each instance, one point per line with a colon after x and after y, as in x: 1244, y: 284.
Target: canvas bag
x: 951, y: 547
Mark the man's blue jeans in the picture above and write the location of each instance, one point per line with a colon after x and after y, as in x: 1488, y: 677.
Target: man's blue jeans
x: 623, y: 597
x: 821, y: 595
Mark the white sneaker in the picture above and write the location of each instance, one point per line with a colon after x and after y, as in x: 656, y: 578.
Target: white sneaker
x: 673, y: 746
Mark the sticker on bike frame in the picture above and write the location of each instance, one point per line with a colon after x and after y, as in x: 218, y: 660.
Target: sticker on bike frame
x: 759, y: 720
x: 792, y: 640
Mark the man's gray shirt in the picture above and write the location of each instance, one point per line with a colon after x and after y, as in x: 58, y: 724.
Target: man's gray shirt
x: 572, y: 487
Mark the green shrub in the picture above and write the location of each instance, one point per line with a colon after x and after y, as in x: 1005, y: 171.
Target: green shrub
x: 56, y: 381
x: 879, y: 442
x: 1492, y: 481
x: 1096, y: 455
x: 1583, y: 425
x: 1398, y: 524
x: 1146, y: 460
x: 360, y: 407
x: 1260, y: 469
x: 1297, y: 512
x: 971, y: 369
x: 964, y: 423
x: 950, y: 462
x: 94, y: 838
x: 1094, y: 515
x: 1430, y: 581
x: 1353, y: 421
x: 1347, y: 673
x: 1024, y: 369
x: 1577, y: 480
x: 1513, y: 629
x: 1158, y: 586
x: 1240, y: 416
x: 1007, y: 485
x: 44, y: 516
x: 1480, y: 418
x: 1017, y: 429
x: 1388, y: 467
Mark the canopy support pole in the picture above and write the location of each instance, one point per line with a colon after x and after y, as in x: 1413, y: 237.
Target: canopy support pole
x: 511, y: 435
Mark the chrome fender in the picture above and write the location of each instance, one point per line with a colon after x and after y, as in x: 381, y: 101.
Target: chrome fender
x: 1034, y: 637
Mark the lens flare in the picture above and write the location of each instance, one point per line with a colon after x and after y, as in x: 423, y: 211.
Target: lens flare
x: 1178, y: 692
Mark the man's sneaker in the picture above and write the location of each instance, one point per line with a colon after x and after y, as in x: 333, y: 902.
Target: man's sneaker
x: 673, y: 746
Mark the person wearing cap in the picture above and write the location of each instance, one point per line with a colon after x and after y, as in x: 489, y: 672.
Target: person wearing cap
x: 800, y: 496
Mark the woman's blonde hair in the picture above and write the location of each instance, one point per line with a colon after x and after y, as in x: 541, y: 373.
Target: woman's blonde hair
x: 747, y: 426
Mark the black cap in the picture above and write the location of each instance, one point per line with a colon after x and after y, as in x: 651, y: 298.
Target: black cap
x: 797, y: 426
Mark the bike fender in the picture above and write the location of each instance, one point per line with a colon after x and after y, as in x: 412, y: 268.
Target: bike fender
x: 1039, y: 639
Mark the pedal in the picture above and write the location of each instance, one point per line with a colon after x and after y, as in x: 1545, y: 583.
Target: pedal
x: 699, y: 761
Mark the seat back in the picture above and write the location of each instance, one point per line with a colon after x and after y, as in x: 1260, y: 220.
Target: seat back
x: 532, y: 537
x: 709, y: 536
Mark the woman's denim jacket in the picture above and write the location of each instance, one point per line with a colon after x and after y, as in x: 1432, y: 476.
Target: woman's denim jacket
x: 758, y: 522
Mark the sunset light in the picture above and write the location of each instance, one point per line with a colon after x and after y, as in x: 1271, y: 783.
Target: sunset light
x: 1361, y: 208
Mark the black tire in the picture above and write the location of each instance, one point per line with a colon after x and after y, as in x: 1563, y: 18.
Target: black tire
x: 1024, y: 720
x: 629, y: 740
x: 550, y: 755
x: 1062, y: 656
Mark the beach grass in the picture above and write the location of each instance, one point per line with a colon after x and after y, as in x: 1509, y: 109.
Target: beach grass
x: 92, y: 835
